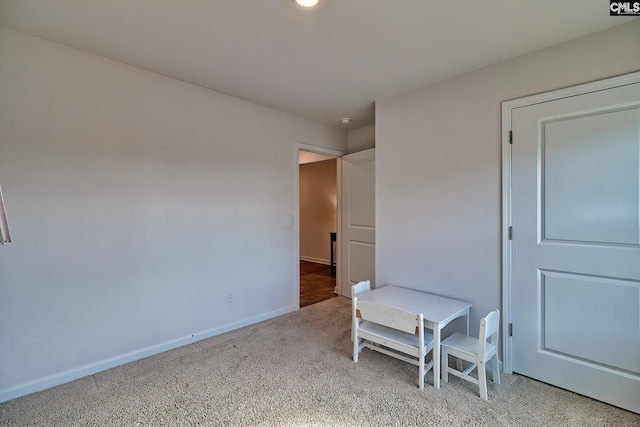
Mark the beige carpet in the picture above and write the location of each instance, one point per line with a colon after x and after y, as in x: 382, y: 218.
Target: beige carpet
x: 296, y: 370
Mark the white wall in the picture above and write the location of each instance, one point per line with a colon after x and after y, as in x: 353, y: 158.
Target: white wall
x: 438, y: 168
x: 361, y: 139
x: 135, y: 201
x: 318, y: 209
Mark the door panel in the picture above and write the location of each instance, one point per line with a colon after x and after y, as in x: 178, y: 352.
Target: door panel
x: 591, y: 177
x: 615, y: 301
x: 358, y: 219
x: 362, y: 257
x: 575, y: 248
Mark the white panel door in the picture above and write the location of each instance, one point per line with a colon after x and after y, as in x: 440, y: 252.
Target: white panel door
x: 358, y: 238
x: 576, y: 243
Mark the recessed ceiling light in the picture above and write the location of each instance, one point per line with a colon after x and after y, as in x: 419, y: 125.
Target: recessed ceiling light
x: 306, y: 3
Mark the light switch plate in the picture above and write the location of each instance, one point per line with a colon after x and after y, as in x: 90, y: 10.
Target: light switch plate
x: 287, y: 221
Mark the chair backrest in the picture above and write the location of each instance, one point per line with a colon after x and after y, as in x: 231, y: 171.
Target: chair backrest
x: 360, y: 287
x: 489, y: 329
x: 389, y: 316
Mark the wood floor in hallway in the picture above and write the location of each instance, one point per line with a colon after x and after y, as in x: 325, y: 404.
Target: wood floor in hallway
x: 316, y: 283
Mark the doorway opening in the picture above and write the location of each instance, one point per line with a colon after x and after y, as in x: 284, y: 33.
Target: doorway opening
x: 318, y: 222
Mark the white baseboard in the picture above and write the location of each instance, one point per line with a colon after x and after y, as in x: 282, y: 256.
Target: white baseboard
x: 102, y: 365
x: 316, y: 260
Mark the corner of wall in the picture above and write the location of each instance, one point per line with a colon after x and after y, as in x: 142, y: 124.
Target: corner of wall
x: 361, y: 139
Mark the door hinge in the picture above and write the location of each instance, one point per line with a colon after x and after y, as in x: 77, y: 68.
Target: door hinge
x: 510, y: 234
x: 510, y: 329
x: 510, y: 137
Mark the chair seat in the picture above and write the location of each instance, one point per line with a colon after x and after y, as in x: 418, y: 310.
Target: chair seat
x: 393, y: 335
x: 465, y: 344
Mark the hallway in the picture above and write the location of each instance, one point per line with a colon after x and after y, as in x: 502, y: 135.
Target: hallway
x: 316, y: 283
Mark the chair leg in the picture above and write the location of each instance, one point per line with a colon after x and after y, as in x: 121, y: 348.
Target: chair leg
x: 444, y: 365
x: 356, y: 345
x: 421, y: 372
x: 494, y: 367
x: 482, y: 379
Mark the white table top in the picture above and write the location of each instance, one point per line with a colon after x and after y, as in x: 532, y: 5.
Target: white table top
x: 436, y: 309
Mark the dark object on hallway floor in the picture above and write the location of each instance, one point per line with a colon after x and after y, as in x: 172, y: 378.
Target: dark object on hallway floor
x: 316, y: 283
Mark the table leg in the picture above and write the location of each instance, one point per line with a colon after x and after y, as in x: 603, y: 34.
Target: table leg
x: 332, y: 240
x: 467, y: 321
x: 436, y: 356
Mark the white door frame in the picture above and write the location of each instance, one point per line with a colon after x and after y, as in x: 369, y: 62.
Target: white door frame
x: 507, y: 107
x: 299, y: 146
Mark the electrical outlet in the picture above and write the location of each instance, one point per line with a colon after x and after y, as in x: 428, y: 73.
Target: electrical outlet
x: 230, y: 296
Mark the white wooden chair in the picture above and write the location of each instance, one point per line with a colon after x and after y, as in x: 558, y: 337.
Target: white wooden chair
x: 360, y: 287
x: 356, y: 289
x: 475, y: 350
x: 392, y: 331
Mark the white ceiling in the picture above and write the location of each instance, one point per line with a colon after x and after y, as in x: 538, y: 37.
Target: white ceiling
x: 323, y: 64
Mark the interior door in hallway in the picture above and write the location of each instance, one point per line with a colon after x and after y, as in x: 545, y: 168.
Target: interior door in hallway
x: 576, y: 243
x: 357, y: 254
